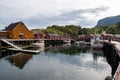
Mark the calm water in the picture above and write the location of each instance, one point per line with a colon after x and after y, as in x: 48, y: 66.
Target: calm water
x: 55, y: 63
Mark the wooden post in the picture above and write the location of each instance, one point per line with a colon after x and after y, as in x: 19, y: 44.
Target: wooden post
x: 0, y: 45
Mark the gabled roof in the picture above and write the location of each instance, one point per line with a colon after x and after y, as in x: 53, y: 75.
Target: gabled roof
x: 12, y: 26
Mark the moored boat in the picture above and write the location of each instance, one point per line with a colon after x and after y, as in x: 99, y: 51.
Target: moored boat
x: 38, y: 44
x: 96, y: 43
x: 97, y: 46
x: 67, y: 41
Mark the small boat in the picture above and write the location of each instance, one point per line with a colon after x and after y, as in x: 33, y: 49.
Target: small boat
x: 38, y: 44
x: 96, y: 43
x: 67, y: 41
x: 97, y: 46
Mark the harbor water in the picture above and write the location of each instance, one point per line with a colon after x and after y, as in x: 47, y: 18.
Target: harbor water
x: 65, y: 62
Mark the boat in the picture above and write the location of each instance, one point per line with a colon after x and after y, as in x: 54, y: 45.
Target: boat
x: 67, y: 41
x: 96, y: 43
x: 79, y: 42
x: 97, y: 46
x: 38, y: 44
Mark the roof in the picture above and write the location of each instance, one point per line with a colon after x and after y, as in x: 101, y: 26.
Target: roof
x: 53, y: 35
x: 12, y: 26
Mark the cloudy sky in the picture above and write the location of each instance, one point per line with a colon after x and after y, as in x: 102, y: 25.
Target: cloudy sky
x: 43, y: 13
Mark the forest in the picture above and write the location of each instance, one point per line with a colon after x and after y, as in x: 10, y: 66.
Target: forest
x: 75, y: 30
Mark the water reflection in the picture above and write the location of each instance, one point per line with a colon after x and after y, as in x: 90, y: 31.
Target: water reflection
x: 6, y: 53
x: 97, y: 54
x: 82, y: 55
x: 16, y: 58
x: 68, y: 49
x: 65, y: 62
x: 19, y: 60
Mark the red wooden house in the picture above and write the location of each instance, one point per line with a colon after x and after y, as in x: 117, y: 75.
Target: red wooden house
x: 84, y: 37
x: 52, y: 36
x: 38, y: 35
x: 57, y: 37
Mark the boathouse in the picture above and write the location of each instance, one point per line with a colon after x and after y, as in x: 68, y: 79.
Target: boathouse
x: 106, y: 36
x: 38, y: 35
x: 57, y: 37
x: 3, y: 35
x: 84, y: 37
x: 16, y: 30
x: 52, y: 36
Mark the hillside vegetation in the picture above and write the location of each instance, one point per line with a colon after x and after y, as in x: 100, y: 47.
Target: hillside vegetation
x: 108, y: 21
x: 75, y: 30
x: 72, y: 30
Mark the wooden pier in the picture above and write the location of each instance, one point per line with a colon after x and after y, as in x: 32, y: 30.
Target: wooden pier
x: 116, y: 44
x: 19, y: 44
x: 117, y: 74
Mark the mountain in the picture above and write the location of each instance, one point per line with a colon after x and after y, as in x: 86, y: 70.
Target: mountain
x: 108, y: 21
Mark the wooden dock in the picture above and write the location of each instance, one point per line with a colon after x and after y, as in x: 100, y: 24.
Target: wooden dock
x: 17, y: 48
x: 117, y: 73
x: 117, y: 46
x: 18, y: 44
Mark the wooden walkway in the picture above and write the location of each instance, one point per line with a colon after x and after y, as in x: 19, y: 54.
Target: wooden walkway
x: 117, y: 45
x: 117, y: 73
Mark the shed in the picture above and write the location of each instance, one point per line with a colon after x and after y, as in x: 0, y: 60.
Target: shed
x: 18, y: 30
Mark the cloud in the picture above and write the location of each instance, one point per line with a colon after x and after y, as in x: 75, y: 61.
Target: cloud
x: 36, y: 15
x: 76, y: 17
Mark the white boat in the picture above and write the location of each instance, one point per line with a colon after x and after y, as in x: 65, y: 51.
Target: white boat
x: 67, y: 41
x: 38, y: 44
x: 82, y: 43
x: 96, y: 43
x: 97, y: 46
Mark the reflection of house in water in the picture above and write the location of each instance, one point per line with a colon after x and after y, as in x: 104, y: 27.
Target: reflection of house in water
x: 19, y: 60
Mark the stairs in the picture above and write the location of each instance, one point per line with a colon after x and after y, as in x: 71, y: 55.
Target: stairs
x: 9, y: 43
